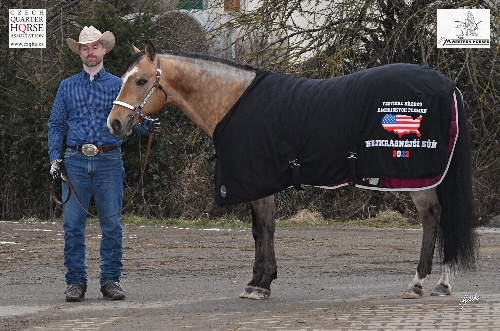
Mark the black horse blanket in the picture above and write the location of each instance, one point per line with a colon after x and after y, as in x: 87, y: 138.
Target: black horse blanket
x: 390, y: 127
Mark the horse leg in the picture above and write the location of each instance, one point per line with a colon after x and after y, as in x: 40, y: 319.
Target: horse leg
x: 264, y: 268
x: 429, y: 211
x: 443, y: 286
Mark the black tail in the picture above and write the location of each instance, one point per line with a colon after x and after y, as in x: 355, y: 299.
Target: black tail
x: 457, y: 238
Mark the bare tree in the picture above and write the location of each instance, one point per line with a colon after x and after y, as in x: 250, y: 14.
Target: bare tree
x: 323, y: 39
x: 312, y: 38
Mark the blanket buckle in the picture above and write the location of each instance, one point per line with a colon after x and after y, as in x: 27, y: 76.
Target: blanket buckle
x: 296, y: 174
x: 351, y: 168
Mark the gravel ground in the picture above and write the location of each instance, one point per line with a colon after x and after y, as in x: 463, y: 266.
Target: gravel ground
x: 329, y: 278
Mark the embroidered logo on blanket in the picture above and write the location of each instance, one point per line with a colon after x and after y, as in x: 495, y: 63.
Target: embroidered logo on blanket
x: 401, y: 124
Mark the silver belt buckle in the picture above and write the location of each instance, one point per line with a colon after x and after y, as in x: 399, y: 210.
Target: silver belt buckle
x: 89, y: 149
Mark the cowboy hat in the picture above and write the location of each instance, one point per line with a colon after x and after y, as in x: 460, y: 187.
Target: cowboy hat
x: 90, y: 35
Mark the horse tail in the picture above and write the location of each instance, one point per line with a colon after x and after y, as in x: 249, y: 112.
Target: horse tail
x: 457, y: 239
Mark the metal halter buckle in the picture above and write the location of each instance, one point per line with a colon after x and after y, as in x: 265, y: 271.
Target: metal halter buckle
x: 90, y: 149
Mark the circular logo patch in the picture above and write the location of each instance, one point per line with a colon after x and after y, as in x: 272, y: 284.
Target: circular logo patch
x: 223, y: 191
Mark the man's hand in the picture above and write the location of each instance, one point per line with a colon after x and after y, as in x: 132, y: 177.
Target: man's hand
x: 153, y: 125
x: 57, y: 169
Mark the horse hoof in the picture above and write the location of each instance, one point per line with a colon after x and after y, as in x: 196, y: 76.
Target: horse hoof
x: 414, y: 292
x: 441, y: 290
x: 255, y: 293
x: 260, y: 293
x: 247, y: 291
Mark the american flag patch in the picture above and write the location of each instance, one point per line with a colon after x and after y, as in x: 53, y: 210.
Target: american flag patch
x: 401, y: 124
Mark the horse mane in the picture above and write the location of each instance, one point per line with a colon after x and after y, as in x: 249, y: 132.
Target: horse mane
x: 134, y: 59
x: 207, y: 57
x: 201, y: 56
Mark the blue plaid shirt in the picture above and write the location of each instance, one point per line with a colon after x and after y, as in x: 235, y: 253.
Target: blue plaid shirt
x: 81, y: 110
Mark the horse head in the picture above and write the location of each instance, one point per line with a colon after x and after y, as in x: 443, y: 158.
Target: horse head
x: 141, y: 93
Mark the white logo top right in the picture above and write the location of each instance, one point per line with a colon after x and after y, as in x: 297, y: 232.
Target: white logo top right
x: 463, y: 28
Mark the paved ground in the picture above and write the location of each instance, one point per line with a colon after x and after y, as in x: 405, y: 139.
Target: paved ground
x: 329, y: 278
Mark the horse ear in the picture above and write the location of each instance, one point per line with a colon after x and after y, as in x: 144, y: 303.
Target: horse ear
x: 133, y: 49
x: 150, y: 51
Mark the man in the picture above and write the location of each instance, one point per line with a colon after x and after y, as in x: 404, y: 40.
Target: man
x: 92, y: 163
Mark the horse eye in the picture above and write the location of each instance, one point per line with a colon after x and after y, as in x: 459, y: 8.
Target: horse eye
x: 141, y: 81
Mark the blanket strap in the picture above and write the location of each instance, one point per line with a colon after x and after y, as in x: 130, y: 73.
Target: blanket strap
x: 296, y: 175
x: 352, y: 159
x: 351, y: 168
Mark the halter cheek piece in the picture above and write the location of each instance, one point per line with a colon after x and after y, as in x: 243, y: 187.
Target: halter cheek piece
x: 138, y: 110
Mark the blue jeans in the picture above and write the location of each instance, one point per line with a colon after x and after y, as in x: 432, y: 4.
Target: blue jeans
x: 101, y: 176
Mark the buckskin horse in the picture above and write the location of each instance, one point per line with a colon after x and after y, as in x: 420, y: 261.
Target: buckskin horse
x: 398, y: 127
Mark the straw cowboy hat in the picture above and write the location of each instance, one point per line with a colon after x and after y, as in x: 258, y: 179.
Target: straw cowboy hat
x: 90, y: 35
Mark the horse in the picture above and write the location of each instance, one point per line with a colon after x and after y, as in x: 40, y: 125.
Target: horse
x: 209, y: 91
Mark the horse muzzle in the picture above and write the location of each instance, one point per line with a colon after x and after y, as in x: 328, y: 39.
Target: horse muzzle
x: 121, y: 128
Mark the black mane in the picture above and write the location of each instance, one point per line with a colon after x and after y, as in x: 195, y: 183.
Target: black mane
x: 207, y: 57
x: 134, y: 59
x: 138, y: 56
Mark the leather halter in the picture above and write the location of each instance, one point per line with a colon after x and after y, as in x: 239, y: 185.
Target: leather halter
x: 157, y: 86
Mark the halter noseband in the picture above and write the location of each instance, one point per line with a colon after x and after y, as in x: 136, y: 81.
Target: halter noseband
x: 138, y: 110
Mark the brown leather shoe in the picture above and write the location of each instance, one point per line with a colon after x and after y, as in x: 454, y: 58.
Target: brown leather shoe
x: 112, y: 291
x: 75, y: 293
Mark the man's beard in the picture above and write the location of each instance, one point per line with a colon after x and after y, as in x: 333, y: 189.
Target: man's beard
x: 92, y: 61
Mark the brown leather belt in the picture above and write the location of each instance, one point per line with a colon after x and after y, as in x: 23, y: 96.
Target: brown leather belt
x: 92, y: 150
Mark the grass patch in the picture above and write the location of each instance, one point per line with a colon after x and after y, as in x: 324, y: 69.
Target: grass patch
x: 384, y: 219
x: 304, y: 217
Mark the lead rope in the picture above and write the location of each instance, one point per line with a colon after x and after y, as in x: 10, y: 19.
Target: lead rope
x: 143, y: 168
x: 71, y: 189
